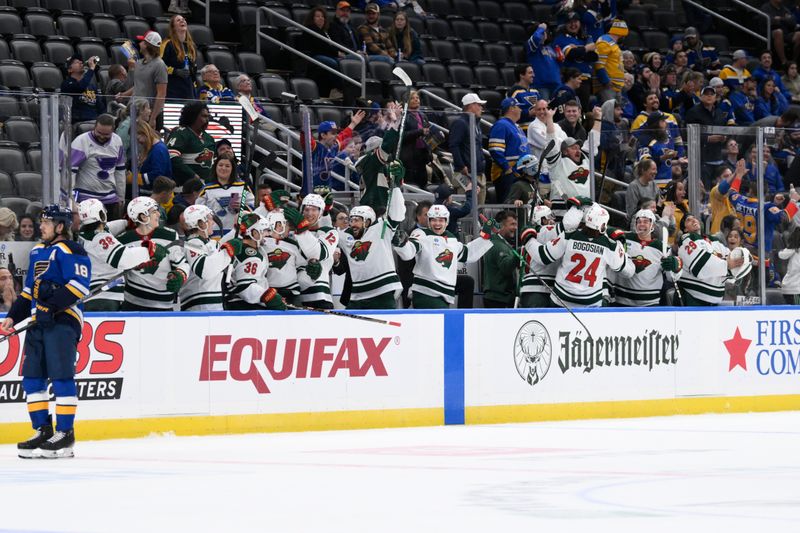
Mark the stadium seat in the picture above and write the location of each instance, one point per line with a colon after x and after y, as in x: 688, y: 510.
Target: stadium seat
x: 490, y: 9
x: 221, y: 57
x: 22, y: 5
x: 9, y: 107
x: 82, y: 127
x: 443, y: 50
x: 507, y: 75
x: 490, y: 31
x: 417, y: 23
x: 7, y: 186
x: 119, y: 8
x: 88, y: 7
x: 433, y: 102
x: 299, y: 14
x: 487, y: 76
x: 439, y: 28
x: 35, y: 210
x: 665, y: 20
x: 73, y: 26
x: 202, y: 35
x: 542, y: 12
x: 305, y: 88
x: 275, y: 112
x: 381, y: 71
x: 26, y: 48
x: 496, y: 53
x: 40, y: 24
x: 516, y: 54
x: 412, y: 69
x: 22, y: 130
x: 637, y: 18
x: 493, y: 99
x: 134, y: 26
x: 515, y: 33
x: 463, y: 29
x: 46, y: 76
x: 457, y: 93
x: 518, y: 12
x: 34, y: 156
x: 5, y: 52
x: 720, y: 42
x: 273, y: 20
x: 465, y: 8
x: 117, y: 54
x: 92, y: 46
x: 634, y: 41
x: 105, y: 27
x: 162, y: 27
x: 14, y: 75
x: 435, y: 73
x: 655, y: 40
x: 335, y: 114
x: 470, y: 52
x: 10, y: 23
x: 29, y: 185
x: 57, y: 6
x: 12, y: 157
x: 462, y: 75
x: 17, y: 205
x: 271, y: 86
x: 251, y: 63
x: 57, y: 49
x: 440, y: 7
x: 149, y: 9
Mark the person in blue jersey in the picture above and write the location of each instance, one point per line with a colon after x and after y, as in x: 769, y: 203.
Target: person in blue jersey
x: 764, y: 70
x: 771, y: 101
x: 542, y: 57
x: 507, y: 143
x: 567, y: 92
x: 595, y: 14
x: 58, y: 277
x: 743, y: 100
x: 578, y: 52
x: 324, y: 149
x: 525, y: 94
x: 701, y: 58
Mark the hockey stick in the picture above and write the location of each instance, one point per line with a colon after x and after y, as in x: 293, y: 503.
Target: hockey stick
x: 400, y: 73
x: 664, y: 239
x: 539, y: 200
x: 346, y: 315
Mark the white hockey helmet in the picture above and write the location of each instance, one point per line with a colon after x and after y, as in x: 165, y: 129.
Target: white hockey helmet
x: 540, y: 212
x: 365, y: 212
x: 743, y: 270
x: 596, y: 217
x: 645, y: 213
x: 439, y: 211
x: 91, y: 211
x: 272, y: 220
x: 314, y: 200
x: 141, y: 206
x: 252, y: 222
x: 527, y: 164
x: 194, y: 214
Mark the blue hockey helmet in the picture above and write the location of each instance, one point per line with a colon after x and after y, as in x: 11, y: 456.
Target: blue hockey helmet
x: 56, y: 213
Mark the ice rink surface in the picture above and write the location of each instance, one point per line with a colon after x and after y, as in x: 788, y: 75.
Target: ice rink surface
x: 676, y: 474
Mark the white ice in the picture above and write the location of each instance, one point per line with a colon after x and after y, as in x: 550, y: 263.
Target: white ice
x: 675, y: 474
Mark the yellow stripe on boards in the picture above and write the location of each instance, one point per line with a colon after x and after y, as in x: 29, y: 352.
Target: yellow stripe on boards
x: 503, y: 414
x: 222, y: 425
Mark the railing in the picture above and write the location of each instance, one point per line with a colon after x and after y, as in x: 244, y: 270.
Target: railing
x: 206, y: 7
x: 767, y: 39
x: 259, y: 35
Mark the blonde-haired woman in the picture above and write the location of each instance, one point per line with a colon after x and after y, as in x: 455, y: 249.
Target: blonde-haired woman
x: 179, y: 53
x: 153, y: 155
x: 8, y: 224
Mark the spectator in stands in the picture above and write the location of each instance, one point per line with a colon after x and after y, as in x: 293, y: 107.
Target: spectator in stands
x: 81, y: 85
x: 524, y: 93
x: 654, y: 60
x: 507, y: 143
x: 735, y: 73
x: 790, y: 286
x: 719, y: 204
x: 322, y: 51
x: 729, y: 222
x: 460, y: 142
x: 191, y: 148
x: 8, y: 294
x: 743, y: 102
x: 731, y: 154
x: 324, y: 149
x: 644, y: 186
x: 341, y: 31
x: 117, y: 80
x: 180, y: 54
x: 341, y: 220
x: 571, y: 124
x: 682, y: 63
x: 669, y: 87
x: 374, y: 38
x: 149, y: 77
x: 707, y: 113
x: 444, y: 196
x: 772, y: 176
x: 500, y: 264
x: 8, y: 224
x: 28, y: 229
x: 223, y: 147
x: 655, y: 143
x: 190, y: 192
x: 783, y: 24
x: 594, y: 14
x: 629, y: 62
x: 608, y: 72
x: 645, y: 81
x: 700, y: 57
x: 722, y: 97
x: 224, y: 194
x: 124, y: 126
x: 414, y: 151
x: 154, y: 158
x: 243, y: 86
x: 405, y: 40
x: 628, y: 109
x: 578, y: 51
x: 687, y: 97
x: 567, y: 92
x: 771, y: 101
x: 675, y: 46
x: 98, y: 166
x: 675, y: 196
x: 542, y: 57
x: 164, y: 194
x: 213, y: 90
x: 791, y: 81
x: 764, y: 70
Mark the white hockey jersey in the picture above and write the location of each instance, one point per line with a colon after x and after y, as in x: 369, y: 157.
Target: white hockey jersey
x: 644, y: 288
x: 218, y: 198
x: 567, y: 179
x: 248, y: 280
x: 705, y: 267
x: 437, y: 260
x: 319, y: 289
x: 282, y: 256
x: 207, y: 264
x: 109, y: 258
x: 545, y: 234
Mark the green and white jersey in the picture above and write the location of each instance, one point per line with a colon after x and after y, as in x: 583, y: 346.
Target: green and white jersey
x: 545, y: 234
x: 207, y: 264
x: 109, y: 258
x: 582, y: 266
x: 190, y: 154
x: 249, y: 278
x: 282, y: 256
x: 644, y: 288
x: 437, y: 260
x: 319, y: 289
x: 705, y: 267
x: 148, y: 288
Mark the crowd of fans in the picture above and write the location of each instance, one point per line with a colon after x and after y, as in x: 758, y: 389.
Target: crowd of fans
x: 580, y: 95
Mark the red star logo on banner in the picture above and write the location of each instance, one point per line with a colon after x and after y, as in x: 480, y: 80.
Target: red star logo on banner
x: 737, y: 349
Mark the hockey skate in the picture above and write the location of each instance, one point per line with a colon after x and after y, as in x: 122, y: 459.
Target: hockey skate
x: 58, y: 446
x: 27, y: 448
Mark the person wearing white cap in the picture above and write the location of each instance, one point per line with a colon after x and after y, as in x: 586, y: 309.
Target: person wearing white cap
x: 149, y: 76
x: 460, y: 142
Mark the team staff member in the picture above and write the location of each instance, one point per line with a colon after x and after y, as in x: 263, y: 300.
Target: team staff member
x: 500, y: 264
x: 59, y: 276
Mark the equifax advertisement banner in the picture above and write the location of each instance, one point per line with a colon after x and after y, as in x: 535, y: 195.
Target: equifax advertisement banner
x: 189, y: 364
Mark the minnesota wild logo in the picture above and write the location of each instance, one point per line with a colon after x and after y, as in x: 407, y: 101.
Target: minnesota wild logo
x: 641, y: 262
x: 361, y: 250
x: 579, y: 176
x: 278, y: 258
x: 445, y: 258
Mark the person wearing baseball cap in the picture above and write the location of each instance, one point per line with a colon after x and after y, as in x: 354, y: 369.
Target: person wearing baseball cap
x: 507, y: 143
x: 609, y: 75
x: 81, y: 85
x: 459, y: 143
x: 340, y: 29
x: 324, y: 149
x: 149, y: 77
x: 700, y: 57
x: 734, y: 74
x: 579, y: 54
x: 743, y: 100
x: 375, y: 38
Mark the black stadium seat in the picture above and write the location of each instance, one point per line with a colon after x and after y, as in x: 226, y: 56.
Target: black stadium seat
x: 40, y: 24
x: 493, y: 99
x: 381, y: 71
x: 305, y: 89
x: 655, y: 40
x: 487, y: 76
x: 26, y: 48
x: 465, y: 8
x: 29, y: 185
x: 58, y: 49
x: 463, y: 29
x: 22, y: 5
x: 149, y: 9
x: 335, y: 114
x: 433, y: 102
x: 18, y: 205
x: 132, y: 27
x: 105, y: 27
x: 88, y: 7
x: 222, y: 58
x: 443, y: 50
x: 271, y: 86
x: 57, y: 6
x: 438, y: 28
x: 515, y: 33
x: 34, y: 156
x: 46, y: 76
x: 92, y: 46
x: 5, y: 52
x: 470, y: 52
x: 119, y: 8
x: 9, y: 107
x: 462, y: 75
x: 14, y: 75
x: 202, y: 35
x: 435, y: 73
x: 440, y: 7
x: 73, y: 26
x: 412, y: 69
x: 12, y: 157
x: 22, y: 130
x: 7, y: 186
x: 251, y: 63
x: 10, y: 23
x: 491, y: 9
x: 496, y: 53
x: 637, y: 18
x: 490, y: 31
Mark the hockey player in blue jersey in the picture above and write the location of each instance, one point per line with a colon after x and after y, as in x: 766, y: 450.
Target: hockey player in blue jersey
x: 58, y: 277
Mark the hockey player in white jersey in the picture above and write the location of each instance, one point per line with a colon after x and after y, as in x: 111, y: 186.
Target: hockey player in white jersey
x: 207, y: 261
x: 282, y: 253
x: 438, y: 253
x: 109, y: 257
x: 583, y: 256
x: 249, y: 289
x: 706, y: 262
x: 367, y: 244
x: 646, y: 253
x: 155, y: 287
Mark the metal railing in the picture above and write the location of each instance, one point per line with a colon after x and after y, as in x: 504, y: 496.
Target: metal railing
x: 207, y: 8
x: 767, y: 39
x: 261, y: 35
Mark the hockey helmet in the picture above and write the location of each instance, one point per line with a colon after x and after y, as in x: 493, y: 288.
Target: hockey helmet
x: 528, y: 164
x: 91, y: 211
x: 365, y: 212
x: 596, y: 217
x: 645, y: 213
x: 314, y: 200
x: 194, y: 214
x: 274, y: 218
x: 57, y: 214
x: 540, y: 212
x: 439, y: 211
x: 252, y: 222
x: 140, y: 207
x: 746, y: 267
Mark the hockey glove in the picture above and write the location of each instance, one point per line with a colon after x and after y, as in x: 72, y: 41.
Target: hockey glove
x: 527, y: 234
x: 400, y: 238
x: 488, y: 228
x: 272, y: 300
x: 395, y: 171
x: 671, y: 263
x: 156, y: 251
x: 175, y: 280
x: 616, y: 235
x: 44, y: 314
x: 326, y: 194
x: 296, y: 219
x: 579, y: 201
x: 314, y: 270
x: 276, y: 199
x: 233, y: 247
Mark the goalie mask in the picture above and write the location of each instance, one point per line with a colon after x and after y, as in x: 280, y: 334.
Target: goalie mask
x: 195, y: 214
x: 91, y: 211
x: 596, y: 218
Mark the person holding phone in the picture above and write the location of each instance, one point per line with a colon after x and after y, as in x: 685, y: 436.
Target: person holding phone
x: 224, y: 195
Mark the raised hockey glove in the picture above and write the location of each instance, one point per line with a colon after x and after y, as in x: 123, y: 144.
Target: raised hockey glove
x: 276, y: 199
x: 327, y: 195
x: 175, y: 280
x: 400, y: 238
x: 314, y: 270
x: 395, y: 171
x: 44, y: 314
x: 233, y: 247
x: 272, y: 300
x: 617, y: 235
x: 671, y: 263
x: 527, y: 234
x: 488, y: 228
x: 156, y: 251
x: 296, y: 219
x: 579, y: 201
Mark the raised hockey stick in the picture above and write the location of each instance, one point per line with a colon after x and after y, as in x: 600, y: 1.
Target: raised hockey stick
x: 539, y: 200
x: 345, y: 315
x: 664, y: 245
x: 400, y: 73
